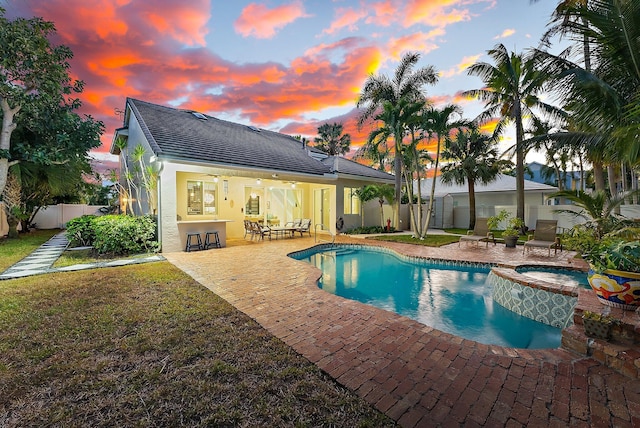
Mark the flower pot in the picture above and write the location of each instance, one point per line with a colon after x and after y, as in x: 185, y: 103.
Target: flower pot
x: 510, y: 241
x: 600, y: 329
x: 616, y: 288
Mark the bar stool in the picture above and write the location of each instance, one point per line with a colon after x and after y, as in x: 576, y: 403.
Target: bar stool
x: 212, y: 240
x: 193, y: 245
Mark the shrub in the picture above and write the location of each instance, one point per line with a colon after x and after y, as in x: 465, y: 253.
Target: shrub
x: 122, y: 234
x: 368, y: 230
x: 80, y: 231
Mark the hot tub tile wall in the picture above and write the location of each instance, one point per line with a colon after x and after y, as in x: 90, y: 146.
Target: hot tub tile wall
x: 555, y: 309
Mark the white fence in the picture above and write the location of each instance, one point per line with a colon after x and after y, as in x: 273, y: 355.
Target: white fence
x: 535, y: 212
x: 57, y: 216
x: 53, y: 216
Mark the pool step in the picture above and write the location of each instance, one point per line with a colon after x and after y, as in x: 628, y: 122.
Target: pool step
x: 340, y: 252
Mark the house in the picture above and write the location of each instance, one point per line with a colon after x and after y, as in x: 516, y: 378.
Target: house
x: 214, y: 174
x: 572, y: 179
x: 490, y: 198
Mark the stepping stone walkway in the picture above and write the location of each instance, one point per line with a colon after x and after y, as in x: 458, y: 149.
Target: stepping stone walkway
x: 41, y: 260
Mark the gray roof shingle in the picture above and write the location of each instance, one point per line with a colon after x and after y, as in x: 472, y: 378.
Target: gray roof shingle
x: 345, y: 166
x: 180, y: 135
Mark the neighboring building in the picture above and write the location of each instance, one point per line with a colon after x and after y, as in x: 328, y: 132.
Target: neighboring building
x: 572, y: 179
x: 215, y: 173
x: 490, y: 198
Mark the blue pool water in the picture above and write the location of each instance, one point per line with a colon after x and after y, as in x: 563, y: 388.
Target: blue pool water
x: 557, y: 276
x: 454, y: 299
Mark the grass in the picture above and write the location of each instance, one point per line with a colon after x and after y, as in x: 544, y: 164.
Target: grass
x: 82, y: 256
x: 146, y: 345
x: 15, y: 249
x: 428, y: 241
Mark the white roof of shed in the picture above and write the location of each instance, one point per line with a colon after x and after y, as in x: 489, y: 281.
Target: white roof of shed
x: 503, y: 183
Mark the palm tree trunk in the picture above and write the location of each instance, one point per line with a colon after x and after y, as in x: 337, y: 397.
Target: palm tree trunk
x: 397, y: 166
x: 519, y: 164
x: 433, y: 186
x: 598, y: 175
x: 472, y: 203
x: 611, y: 175
x: 412, y: 212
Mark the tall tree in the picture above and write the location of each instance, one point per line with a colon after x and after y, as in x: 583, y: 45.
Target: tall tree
x: 604, y: 101
x: 331, y: 140
x: 407, y: 84
x: 511, y: 92
x: 32, y: 73
x: 50, y: 158
x: 472, y: 157
x: 437, y: 124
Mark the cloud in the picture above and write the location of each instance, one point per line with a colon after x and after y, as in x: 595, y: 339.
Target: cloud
x: 506, y: 33
x: 259, y: 21
x: 127, y: 48
x: 437, y: 13
x: 461, y: 67
x: 418, y: 41
x: 346, y: 18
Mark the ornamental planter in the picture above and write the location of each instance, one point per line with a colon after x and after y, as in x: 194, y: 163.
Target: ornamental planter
x: 615, y: 288
x: 510, y: 241
x: 600, y: 329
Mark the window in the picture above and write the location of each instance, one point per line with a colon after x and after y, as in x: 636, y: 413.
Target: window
x: 351, y: 201
x: 253, y: 197
x: 201, y: 198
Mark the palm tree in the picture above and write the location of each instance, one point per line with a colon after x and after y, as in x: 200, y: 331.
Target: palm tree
x: 472, y: 158
x: 407, y: 84
x: 512, y: 88
x: 598, y: 208
x: 437, y: 123
x: 603, y: 98
x: 331, y: 139
x: 365, y: 194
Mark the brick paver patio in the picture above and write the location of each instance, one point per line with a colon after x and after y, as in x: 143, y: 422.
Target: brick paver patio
x: 417, y: 375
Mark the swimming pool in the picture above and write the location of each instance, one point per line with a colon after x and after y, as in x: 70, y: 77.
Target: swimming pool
x: 451, y: 297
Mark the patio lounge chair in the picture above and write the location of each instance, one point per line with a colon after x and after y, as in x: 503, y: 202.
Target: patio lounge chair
x: 295, y: 223
x: 305, y: 226
x: 260, y: 231
x: 248, y: 229
x: 544, y: 236
x: 480, y: 232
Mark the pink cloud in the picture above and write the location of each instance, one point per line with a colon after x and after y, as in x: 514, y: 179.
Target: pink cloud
x: 417, y: 42
x: 346, y: 18
x: 259, y: 21
x: 128, y: 48
x: 506, y: 33
x: 461, y: 67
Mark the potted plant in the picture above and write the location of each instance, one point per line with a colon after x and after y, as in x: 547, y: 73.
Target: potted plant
x: 514, y: 226
x: 614, y: 261
x: 614, y: 272
x: 598, y: 325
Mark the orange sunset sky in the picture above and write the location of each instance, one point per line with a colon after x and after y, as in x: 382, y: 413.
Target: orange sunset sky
x: 288, y: 66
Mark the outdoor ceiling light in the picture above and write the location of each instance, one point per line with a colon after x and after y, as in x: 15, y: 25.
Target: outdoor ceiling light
x: 215, y: 179
x: 258, y: 181
x: 293, y: 185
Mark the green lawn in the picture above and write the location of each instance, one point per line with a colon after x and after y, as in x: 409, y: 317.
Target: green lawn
x: 75, y: 257
x: 15, y: 249
x: 429, y: 240
x: 146, y: 345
